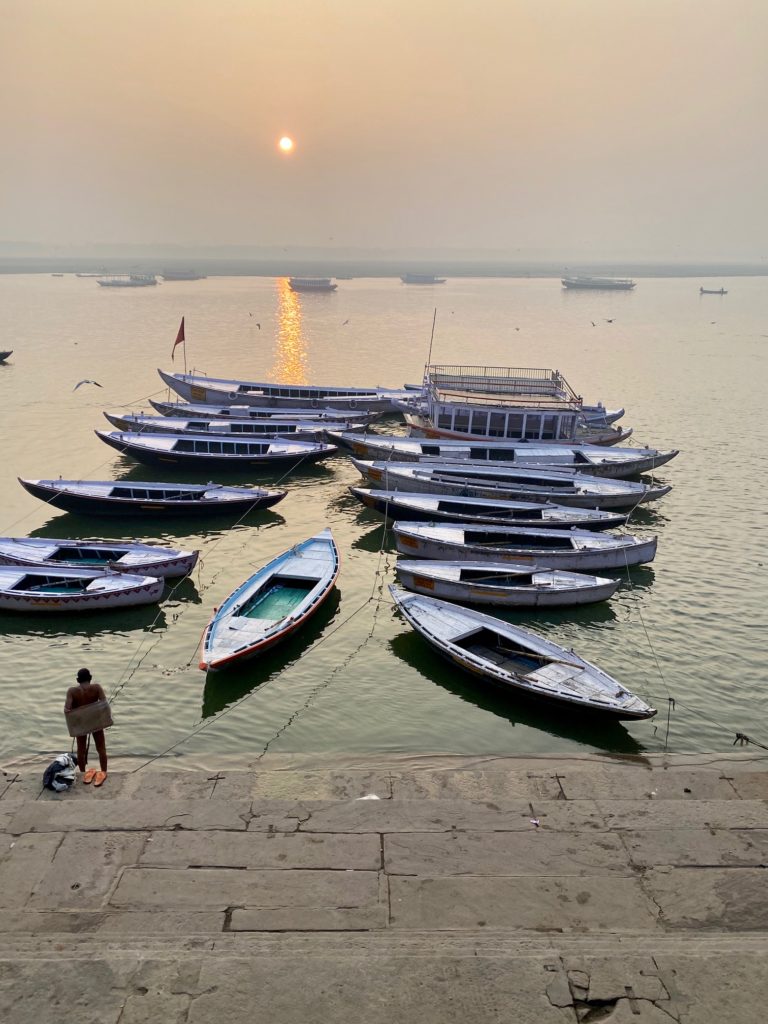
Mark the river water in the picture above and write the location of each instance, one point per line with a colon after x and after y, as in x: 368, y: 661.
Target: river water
x: 690, y: 370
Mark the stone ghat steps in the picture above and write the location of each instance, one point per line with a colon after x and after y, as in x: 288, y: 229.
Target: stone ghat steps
x: 474, y: 889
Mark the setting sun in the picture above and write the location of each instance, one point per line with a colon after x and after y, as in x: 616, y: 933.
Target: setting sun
x: 286, y: 144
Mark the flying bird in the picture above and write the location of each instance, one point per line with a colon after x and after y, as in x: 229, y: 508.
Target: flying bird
x: 81, y: 382
x: 345, y: 323
x: 593, y: 323
x: 609, y: 321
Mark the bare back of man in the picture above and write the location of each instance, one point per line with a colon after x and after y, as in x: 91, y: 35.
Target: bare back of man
x: 88, y: 692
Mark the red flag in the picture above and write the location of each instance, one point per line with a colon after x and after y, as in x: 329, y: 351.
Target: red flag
x: 180, y: 339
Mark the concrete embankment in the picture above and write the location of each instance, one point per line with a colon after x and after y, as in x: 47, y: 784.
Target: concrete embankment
x: 474, y: 889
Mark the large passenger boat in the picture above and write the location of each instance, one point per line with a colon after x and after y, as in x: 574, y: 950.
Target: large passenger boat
x: 312, y: 284
x: 502, y: 403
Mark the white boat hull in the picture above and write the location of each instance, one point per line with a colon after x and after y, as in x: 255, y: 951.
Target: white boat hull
x: 603, y: 559
x: 547, y: 589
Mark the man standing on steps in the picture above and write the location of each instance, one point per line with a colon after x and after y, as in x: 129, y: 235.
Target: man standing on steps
x: 87, y: 714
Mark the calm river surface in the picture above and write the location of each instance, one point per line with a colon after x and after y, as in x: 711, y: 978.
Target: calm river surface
x: 690, y: 370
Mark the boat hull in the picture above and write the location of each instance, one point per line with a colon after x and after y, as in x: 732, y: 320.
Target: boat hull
x: 84, y: 504
x: 420, y: 426
x: 211, y: 391
x: 22, y: 552
x: 193, y: 460
x: 608, y: 559
x: 582, y: 495
x: 616, y: 466
x: 230, y: 624
x: 553, y: 516
x: 572, y: 682
x: 145, y: 590
x: 552, y: 589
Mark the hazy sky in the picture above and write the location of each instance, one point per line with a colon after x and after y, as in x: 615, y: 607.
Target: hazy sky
x: 594, y: 127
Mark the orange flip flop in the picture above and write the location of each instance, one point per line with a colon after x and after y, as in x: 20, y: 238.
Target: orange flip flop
x: 99, y: 778
x: 89, y: 775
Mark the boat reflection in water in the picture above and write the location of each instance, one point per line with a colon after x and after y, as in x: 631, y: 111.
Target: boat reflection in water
x: 221, y: 690
x: 606, y: 735
x: 290, y: 365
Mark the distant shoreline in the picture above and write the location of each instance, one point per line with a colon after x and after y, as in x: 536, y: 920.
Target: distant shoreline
x: 370, y: 268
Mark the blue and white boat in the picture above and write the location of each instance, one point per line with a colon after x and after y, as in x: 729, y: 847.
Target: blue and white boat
x: 272, y: 604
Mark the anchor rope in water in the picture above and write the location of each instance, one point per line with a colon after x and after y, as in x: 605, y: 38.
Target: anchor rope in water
x: 129, y: 672
x: 378, y: 584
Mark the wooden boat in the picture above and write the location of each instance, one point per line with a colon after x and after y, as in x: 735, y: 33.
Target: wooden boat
x: 148, y: 559
x: 41, y: 589
x: 622, y: 284
x: 4, y: 355
x: 421, y: 279
x: 565, y: 487
x: 577, y: 550
x: 143, y: 498
x: 298, y: 430
x: 224, y: 391
x: 515, y: 659
x: 615, y: 463
x: 583, y: 432
x: 599, y: 416
x: 312, y: 284
x: 449, y: 508
x: 195, y: 450
x: 272, y: 604
x: 514, y: 586
x: 713, y: 291
x: 190, y: 410
x: 507, y: 403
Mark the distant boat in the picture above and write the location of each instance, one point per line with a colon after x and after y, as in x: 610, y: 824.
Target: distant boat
x: 57, y: 275
x: 421, y: 279
x: 621, y: 284
x: 273, y: 603
x: 128, y: 281
x: 312, y: 284
x: 182, y: 275
x: 145, y: 498
x: 712, y: 291
x: 4, y: 355
x: 115, y: 556
x: 515, y: 660
x: 25, y: 588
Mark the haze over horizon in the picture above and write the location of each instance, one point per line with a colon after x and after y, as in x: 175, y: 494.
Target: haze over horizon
x: 598, y: 129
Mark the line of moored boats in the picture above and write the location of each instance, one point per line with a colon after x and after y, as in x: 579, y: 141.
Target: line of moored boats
x: 495, y: 499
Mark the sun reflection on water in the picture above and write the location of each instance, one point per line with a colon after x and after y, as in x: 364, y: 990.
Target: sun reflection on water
x: 291, y: 352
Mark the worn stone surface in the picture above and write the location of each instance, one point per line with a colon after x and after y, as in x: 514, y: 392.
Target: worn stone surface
x: 380, y: 991
x: 551, y: 903
x: 689, y: 814
x: 23, y: 862
x: 715, y: 898
x: 218, y: 889
x: 485, y: 889
x: 477, y: 853
x: 122, y: 815
x: 476, y: 785
x: 84, y: 870
x: 700, y: 847
x: 262, y: 850
x: 445, y: 815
